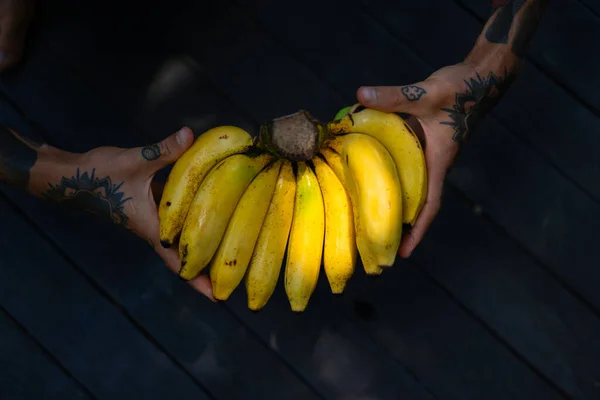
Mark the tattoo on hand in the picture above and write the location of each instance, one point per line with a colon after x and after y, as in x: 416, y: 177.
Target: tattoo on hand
x: 17, y: 157
x: 151, y: 152
x: 413, y: 92
x: 482, y: 94
x: 87, y: 192
x: 523, y: 28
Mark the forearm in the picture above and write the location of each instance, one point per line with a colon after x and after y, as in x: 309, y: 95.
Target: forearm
x: 476, y: 85
x: 29, y: 164
x: 506, y: 35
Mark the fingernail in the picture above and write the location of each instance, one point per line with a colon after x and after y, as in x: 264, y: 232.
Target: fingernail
x: 370, y: 95
x: 181, y: 136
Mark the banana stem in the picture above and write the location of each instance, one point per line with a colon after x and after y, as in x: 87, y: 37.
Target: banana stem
x: 296, y: 137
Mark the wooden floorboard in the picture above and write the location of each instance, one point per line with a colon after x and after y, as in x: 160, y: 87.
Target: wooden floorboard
x: 475, y: 315
x: 593, y: 7
x: 28, y: 372
x: 81, y: 328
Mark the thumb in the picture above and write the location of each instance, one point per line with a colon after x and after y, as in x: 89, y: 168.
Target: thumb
x: 406, y: 99
x: 167, y: 151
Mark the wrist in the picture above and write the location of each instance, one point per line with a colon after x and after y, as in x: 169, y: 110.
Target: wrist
x: 52, y: 165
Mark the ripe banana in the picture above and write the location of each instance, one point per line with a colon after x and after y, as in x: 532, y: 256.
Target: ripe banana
x: 339, y: 254
x: 230, y: 262
x: 403, y: 145
x: 190, y: 170
x: 212, y: 208
x: 305, y: 247
x: 265, y: 264
x: 334, y: 159
x: 326, y: 196
x: 376, y: 193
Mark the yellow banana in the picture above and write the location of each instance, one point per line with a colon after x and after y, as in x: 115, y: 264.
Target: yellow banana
x: 334, y: 160
x: 265, y: 264
x: 305, y: 247
x: 339, y: 254
x: 403, y: 145
x: 212, y: 208
x: 376, y: 193
x: 231, y: 260
x: 190, y: 170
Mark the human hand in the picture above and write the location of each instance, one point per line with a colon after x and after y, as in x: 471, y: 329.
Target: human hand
x: 117, y: 183
x: 444, y: 109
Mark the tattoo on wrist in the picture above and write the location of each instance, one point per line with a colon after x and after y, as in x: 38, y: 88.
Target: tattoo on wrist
x: 151, y: 152
x: 413, y: 92
x: 523, y: 28
x: 480, y: 97
x: 87, y: 192
x: 17, y: 156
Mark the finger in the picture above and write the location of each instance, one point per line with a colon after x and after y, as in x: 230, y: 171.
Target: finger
x: 413, y: 237
x: 407, y: 99
x: 167, y: 151
x: 201, y: 283
x: 428, y: 213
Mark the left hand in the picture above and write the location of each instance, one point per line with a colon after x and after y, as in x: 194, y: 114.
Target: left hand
x: 117, y: 184
x: 440, y: 123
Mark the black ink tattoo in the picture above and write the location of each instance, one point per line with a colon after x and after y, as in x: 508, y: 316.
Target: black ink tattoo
x: 499, y: 30
x: 17, y: 157
x: 151, y: 152
x: 86, y: 192
x: 481, y: 96
x: 413, y: 92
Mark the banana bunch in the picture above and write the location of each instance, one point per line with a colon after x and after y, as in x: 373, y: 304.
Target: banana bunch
x: 310, y: 193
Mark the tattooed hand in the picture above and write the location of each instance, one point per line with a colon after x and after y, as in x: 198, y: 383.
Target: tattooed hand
x: 117, y: 184
x: 445, y: 108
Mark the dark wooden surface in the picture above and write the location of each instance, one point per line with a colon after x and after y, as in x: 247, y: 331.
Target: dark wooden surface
x: 500, y: 301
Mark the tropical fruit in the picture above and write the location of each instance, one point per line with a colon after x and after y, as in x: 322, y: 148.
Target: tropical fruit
x: 300, y: 198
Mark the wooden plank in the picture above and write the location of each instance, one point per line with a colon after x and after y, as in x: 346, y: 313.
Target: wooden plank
x: 28, y: 372
x: 563, y: 303
x: 208, y: 341
x: 504, y: 287
x: 86, y: 332
x: 399, y: 309
x: 549, y: 129
x: 215, y: 63
x: 593, y: 6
